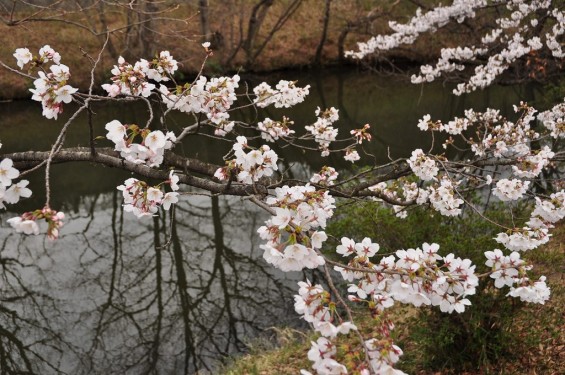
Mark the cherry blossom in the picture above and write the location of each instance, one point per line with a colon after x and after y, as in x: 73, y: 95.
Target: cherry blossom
x: 27, y: 223
x: 152, y: 149
x: 16, y: 191
x: 326, y: 176
x: 273, y: 130
x: 130, y: 79
x: 323, y: 131
x: 251, y: 166
x: 7, y: 172
x: 423, y: 166
x: 23, y: 56
x: 51, y: 88
x: 500, y: 48
x: 510, y: 190
x: 143, y: 200
x: 286, y: 94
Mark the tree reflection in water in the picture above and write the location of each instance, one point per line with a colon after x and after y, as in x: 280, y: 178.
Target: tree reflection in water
x: 168, y: 295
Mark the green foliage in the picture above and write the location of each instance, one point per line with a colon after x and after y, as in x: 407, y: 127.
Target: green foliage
x: 440, y: 341
x: 551, y: 93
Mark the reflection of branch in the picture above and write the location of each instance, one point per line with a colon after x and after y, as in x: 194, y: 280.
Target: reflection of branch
x: 183, y: 295
x: 154, y: 357
x: 7, y: 353
x: 23, y: 335
x: 56, y: 147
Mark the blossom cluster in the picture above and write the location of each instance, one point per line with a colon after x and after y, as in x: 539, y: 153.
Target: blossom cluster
x: 550, y: 210
x: 212, y: 97
x: 412, y: 276
x: 421, y: 23
x: 272, y: 130
x: 362, y: 134
x: 383, y: 354
x: 285, y: 95
x: 500, y: 47
x: 11, y: 192
x: 248, y: 167
x: 351, y: 155
x: 313, y: 303
x: 323, y: 352
x: 423, y: 166
x: 505, y: 269
x: 503, y: 137
x: 453, y: 127
x: 531, y: 291
x: 554, y: 120
x: 510, y: 190
x: 150, y: 151
x: 400, y: 191
x: 143, y: 200
x: 51, y: 87
x: 511, y: 271
x: 160, y: 68
x: 531, y: 165
x: 46, y: 53
x: 27, y: 222
x: 322, y: 130
x: 497, y: 136
x: 536, y: 232
x: 128, y: 79
x: 444, y: 197
x: 134, y: 79
x: 326, y: 176
x: 292, y: 234
x: 523, y: 239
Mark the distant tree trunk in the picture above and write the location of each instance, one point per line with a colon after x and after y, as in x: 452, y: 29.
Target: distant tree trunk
x: 353, y: 25
x: 102, y: 16
x: 341, y: 42
x: 138, y: 38
x: 256, y: 20
x: 320, y: 48
x: 146, y: 35
x: 204, y: 21
x: 258, y: 15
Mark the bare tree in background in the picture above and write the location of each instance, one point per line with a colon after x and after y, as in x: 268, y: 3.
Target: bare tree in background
x: 204, y: 21
x: 132, y: 24
x: 326, y: 21
x: 251, y: 45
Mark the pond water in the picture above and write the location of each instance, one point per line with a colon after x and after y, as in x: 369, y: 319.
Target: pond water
x: 115, y: 295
